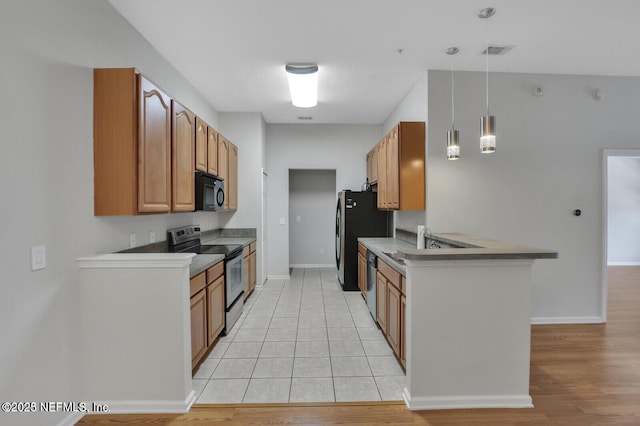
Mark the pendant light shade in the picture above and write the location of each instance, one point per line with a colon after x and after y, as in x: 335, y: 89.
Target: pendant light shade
x: 487, y: 122
x: 487, y: 134
x: 453, y: 145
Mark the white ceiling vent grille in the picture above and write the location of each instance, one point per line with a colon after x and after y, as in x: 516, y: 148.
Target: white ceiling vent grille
x: 305, y: 117
x: 495, y: 49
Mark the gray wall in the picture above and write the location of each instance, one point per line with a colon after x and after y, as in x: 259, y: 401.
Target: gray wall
x: 49, y: 50
x: 340, y: 147
x: 548, y: 162
x: 623, y: 210
x: 312, y: 210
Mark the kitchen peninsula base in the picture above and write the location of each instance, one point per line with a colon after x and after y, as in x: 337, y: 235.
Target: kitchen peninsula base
x: 468, y: 328
x: 136, y: 344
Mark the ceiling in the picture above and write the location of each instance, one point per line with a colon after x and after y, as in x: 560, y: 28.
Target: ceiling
x: 371, y: 52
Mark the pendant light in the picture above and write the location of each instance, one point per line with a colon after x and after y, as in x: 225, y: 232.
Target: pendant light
x: 453, y: 145
x: 487, y: 122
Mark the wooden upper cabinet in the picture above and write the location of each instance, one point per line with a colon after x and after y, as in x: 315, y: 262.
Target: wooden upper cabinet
x: 212, y: 151
x: 232, y: 180
x: 201, y: 145
x: 183, y: 126
x: 401, y: 168
x: 131, y: 144
x: 381, y: 150
x: 223, y: 166
x: 393, y: 172
x: 154, y: 148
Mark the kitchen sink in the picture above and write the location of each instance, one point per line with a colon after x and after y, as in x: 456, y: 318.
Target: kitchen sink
x: 395, y: 256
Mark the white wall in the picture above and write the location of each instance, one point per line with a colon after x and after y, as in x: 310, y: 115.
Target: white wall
x: 246, y: 131
x: 342, y: 148
x: 312, y: 199
x: 548, y: 162
x: 413, y: 107
x: 623, y: 211
x: 49, y: 50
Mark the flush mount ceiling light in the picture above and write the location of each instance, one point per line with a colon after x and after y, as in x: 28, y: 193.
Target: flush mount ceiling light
x: 453, y: 146
x: 487, y: 122
x: 303, y: 84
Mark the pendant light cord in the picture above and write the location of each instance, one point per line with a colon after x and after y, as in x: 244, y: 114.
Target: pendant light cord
x: 487, y: 67
x: 453, y: 111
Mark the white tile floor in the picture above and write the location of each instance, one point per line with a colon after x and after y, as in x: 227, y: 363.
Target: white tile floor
x: 301, y: 340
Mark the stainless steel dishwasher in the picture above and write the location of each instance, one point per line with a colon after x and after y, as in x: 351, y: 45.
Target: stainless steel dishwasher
x: 372, y: 268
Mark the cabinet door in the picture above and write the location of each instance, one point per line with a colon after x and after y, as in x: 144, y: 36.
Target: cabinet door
x: 198, y: 327
x: 212, y: 151
x: 374, y: 166
x: 382, y: 167
x: 201, y: 145
x: 369, y: 166
x: 381, y: 301
x: 252, y: 271
x: 223, y: 166
x: 245, y: 276
x: 393, y: 171
x: 393, y: 318
x: 362, y: 275
x: 154, y: 148
x: 403, y: 331
x: 183, y: 147
x: 233, y: 177
x: 215, y: 309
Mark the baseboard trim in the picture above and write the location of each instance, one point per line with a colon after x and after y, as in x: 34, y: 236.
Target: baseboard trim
x: 566, y: 320
x: 147, y: 407
x: 71, y: 419
x: 466, y: 401
x: 623, y: 263
x: 278, y: 277
x: 312, y: 265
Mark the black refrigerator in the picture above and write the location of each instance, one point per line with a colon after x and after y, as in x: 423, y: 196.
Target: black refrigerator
x: 357, y: 215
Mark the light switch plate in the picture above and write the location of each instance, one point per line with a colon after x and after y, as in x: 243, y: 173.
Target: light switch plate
x: 132, y: 240
x: 282, y: 222
x: 152, y: 237
x: 38, y: 258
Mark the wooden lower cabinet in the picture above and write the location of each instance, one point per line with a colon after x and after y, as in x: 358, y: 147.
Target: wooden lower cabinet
x: 362, y: 275
x: 403, y: 330
x: 249, y: 269
x: 391, y: 307
x: 393, y: 318
x: 198, y: 326
x: 381, y: 301
x: 215, y: 311
x: 207, y: 310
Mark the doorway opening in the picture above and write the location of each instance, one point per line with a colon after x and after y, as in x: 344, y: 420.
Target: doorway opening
x: 621, y: 221
x: 312, y: 198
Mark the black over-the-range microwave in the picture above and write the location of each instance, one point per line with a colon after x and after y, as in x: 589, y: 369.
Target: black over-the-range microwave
x: 209, y: 192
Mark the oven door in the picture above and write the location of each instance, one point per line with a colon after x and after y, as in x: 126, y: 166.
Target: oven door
x: 234, y: 284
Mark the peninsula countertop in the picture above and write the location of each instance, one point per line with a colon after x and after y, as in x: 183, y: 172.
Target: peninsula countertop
x: 466, y: 247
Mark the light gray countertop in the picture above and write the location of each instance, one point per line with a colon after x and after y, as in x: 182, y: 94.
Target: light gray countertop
x: 470, y: 247
x: 228, y: 240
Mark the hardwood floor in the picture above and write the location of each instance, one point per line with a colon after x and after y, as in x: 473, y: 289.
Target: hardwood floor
x: 580, y: 375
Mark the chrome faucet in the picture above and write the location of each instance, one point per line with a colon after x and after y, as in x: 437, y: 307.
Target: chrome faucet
x: 431, y: 242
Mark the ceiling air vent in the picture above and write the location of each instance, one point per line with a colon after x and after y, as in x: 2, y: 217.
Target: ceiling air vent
x: 495, y: 49
x: 305, y: 117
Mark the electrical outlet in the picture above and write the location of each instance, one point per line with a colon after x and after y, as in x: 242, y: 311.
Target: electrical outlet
x: 38, y: 258
x: 298, y: 219
x: 152, y: 237
x: 132, y: 240
x: 210, y: 225
x: 322, y: 251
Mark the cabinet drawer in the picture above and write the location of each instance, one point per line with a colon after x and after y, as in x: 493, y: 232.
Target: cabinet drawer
x: 362, y: 249
x: 252, y: 247
x: 215, y: 271
x: 391, y: 274
x: 197, y: 283
x: 246, y: 251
